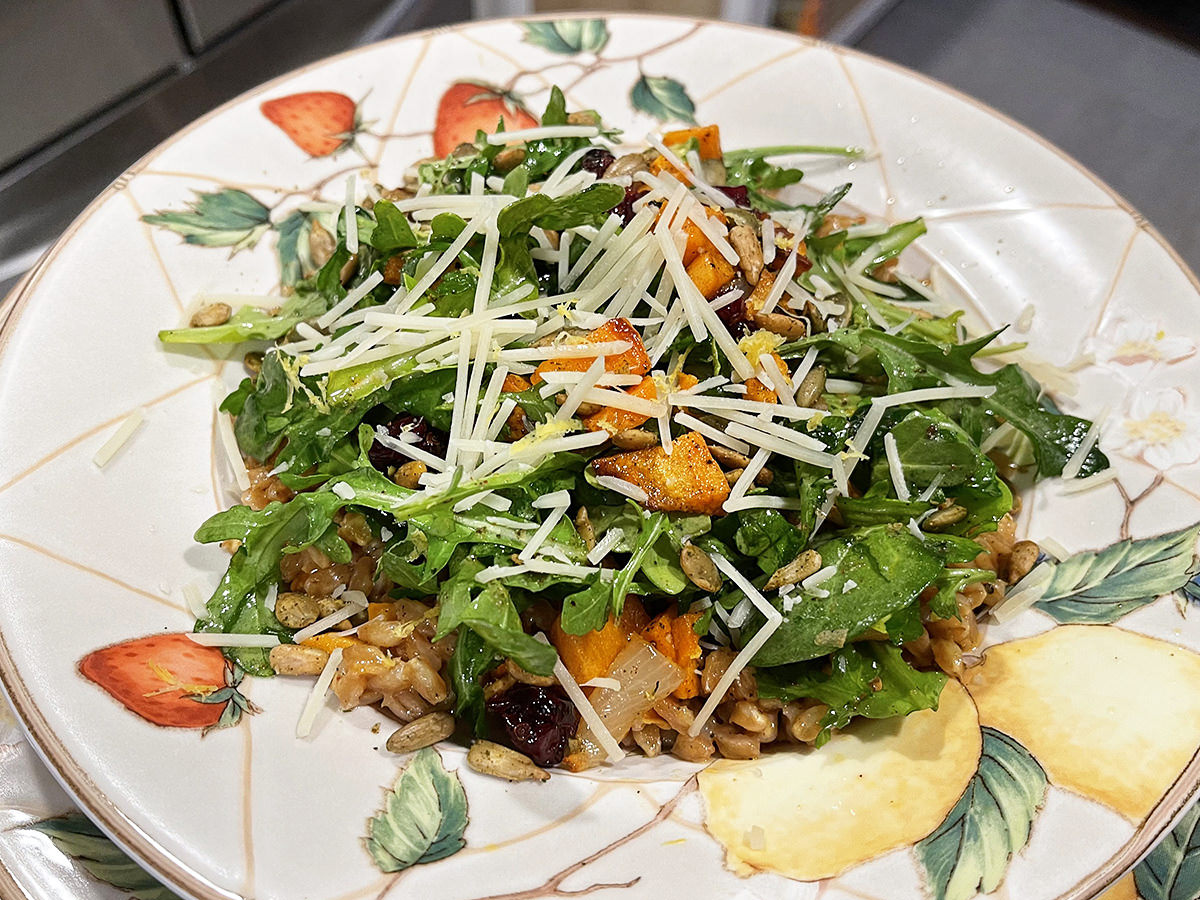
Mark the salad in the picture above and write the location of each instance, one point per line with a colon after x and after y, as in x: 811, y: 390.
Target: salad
x: 574, y: 451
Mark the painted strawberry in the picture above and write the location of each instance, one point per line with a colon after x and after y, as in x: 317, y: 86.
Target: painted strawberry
x: 170, y: 680
x: 467, y: 107
x: 319, y: 122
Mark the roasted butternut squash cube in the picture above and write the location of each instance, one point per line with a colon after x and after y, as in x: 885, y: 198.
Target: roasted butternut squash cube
x: 590, y: 655
x: 710, y: 272
x: 707, y: 137
x: 634, y: 361
x: 759, y: 392
x: 687, y: 654
x: 612, y: 419
x: 688, y: 480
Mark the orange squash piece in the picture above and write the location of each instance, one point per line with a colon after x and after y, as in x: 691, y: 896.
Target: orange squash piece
x: 591, y: 655
x: 758, y: 296
x: 385, y: 611
x: 612, y: 420
x: 634, y: 361
x: 330, y: 642
x: 515, y: 384
x: 674, y: 636
x: 687, y: 654
x: 688, y: 480
x: 659, y: 633
x: 710, y: 272
x: 759, y: 392
x: 707, y: 137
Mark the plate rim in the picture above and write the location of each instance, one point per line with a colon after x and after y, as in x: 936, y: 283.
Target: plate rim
x: 140, y: 845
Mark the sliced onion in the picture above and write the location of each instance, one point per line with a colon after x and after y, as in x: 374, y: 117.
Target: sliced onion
x: 645, y: 677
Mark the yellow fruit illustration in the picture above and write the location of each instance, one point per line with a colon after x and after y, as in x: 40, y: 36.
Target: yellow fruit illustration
x: 880, y: 785
x: 1111, y: 715
x: 1123, y: 889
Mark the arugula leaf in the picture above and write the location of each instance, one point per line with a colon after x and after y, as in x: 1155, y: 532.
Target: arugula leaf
x: 472, y: 657
x: 588, y: 207
x: 760, y: 176
x: 869, y: 679
x: 885, y: 246
x: 489, y: 611
x: 249, y: 323
x: 238, y: 605
x: 392, y: 231
x: 767, y: 537
x: 911, y: 362
x: 280, y: 405
x: 823, y: 207
x: 889, y: 568
x: 588, y: 609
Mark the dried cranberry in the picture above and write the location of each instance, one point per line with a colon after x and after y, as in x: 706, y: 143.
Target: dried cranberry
x: 429, y: 439
x: 732, y: 313
x: 624, y: 209
x: 596, y: 161
x: 738, y: 193
x: 537, y: 721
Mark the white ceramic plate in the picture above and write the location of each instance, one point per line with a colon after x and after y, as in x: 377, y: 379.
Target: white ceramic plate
x: 1088, y: 730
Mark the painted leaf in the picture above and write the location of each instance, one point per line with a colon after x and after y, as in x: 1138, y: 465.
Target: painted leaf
x: 1190, y: 592
x: 1171, y: 871
x: 77, y: 837
x: 664, y: 98
x: 423, y: 819
x: 1101, y: 586
x: 292, y: 247
x: 568, y: 36
x: 970, y: 851
x: 224, y: 218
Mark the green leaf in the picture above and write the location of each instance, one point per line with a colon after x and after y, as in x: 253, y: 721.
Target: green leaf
x: 1171, y: 871
x: 868, y: 679
x: 970, y: 851
x: 392, y: 231
x: 567, y: 36
x: 768, y: 538
x: 224, y: 218
x: 489, y: 611
x: 889, y: 568
x: 249, y: 323
x: 663, y: 98
x: 472, y: 657
x: 1100, y: 586
x: 588, y: 207
x: 79, y: 839
x: 423, y: 818
x: 292, y: 247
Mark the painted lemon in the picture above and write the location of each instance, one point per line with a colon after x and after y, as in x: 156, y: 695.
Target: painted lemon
x: 1111, y: 715
x: 1125, y: 889
x: 876, y: 787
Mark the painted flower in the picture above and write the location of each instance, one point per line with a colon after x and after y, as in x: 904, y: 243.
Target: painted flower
x: 1160, y: 428
x: 1135, y: 343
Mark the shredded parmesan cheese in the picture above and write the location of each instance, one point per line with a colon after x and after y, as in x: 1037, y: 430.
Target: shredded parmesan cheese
x: 895, y: 467
x: 621, y: 486
x: 121, y: 436
x: 316, y: 699
x: 774, y: 620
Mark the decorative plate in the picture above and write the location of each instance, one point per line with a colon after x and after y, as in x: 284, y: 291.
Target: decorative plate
x: 1070, y: 750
